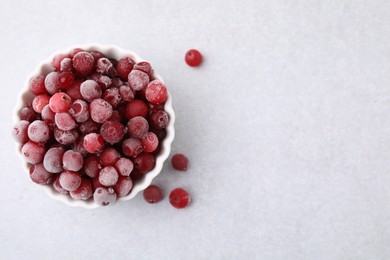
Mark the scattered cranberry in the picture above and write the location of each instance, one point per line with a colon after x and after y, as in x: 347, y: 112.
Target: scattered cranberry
x: 159, y: 119
x: 28, y: 114
x: 123, y: 186
x: 180, y: 162
x: 136, y: 108
x: 179, y: 198
x: 138, y: 127
x: 138, y: 79
x: 156, y: 92
x: 153, y: 194
x: 79, y: 110
x: 53, y: 160
x: 109, y: 156
x: 101, y: 110
x: 124, y: 66
x: 72, y: 161
x: 150, y: 142
x: 132, y: 147
x: 104, y: 197
x: 64, y: 121
x: 39, y: 102
x: 124, y: 166
x: 92, y: 166
x: 52, y: 84
x: 38, y: 174
x: 33, y: 152
x: 144, y: 163
x: 193, y: 58
x: 38, y: 131
x: 112, y: 132
x: 83, y: 63
x: 69, y: 180
x: 37, y: 85
x: 145, y: 67
x: 84, y: 191
x: 19, y: 132
x: 93, y: 142
x: 65, y: 137
x: 60, y: 102
x: 65, y: 79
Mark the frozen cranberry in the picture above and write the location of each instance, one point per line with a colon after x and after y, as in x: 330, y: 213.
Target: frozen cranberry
x: 159, y: 119
x: 117, y: 82
x: 48, y: 115
x: 144, y: 163
x: 153, y: 194
x: 65, y: 137
x: 28, y: 114
x: 33, y: 153
x: 88, y: 127
x: 96, y: 54
x: 56, y: 62
x: 60, y: 102
x: 104, y: 197
x: 137, y: 127
x: 38, y: 174
x: 138, y: 79
x: 38, y: 131
x: 123, y: 186
x: 96, y: 184
x: 124, y: 166
x: 74, y: 90
x: 105, y: 67
x: 112, y: 131
x: 116, y: 116
x: 109, y: 157
x: 57, y: 186
x: 108, y: 176
x: 53, y: 160
x: 156, y: 92
x: 79, y: 110
x: 39, y: 102
x: 93, y: 142
x: 180, y: 162
x: 132, y: 147
x: 52, y: 83
x: 19, y: 132
x: 124, y: 66
x: 92, y: 166
x: 193, y: 58
x: 37, y: 85
x: 156, y: 107
x: 72, y: 161
x: 101, y: 110
x: 179, y: 198
x: 83, y: 192
x: 135, y: 108
x: 103, y: 81
x: 83, y: 63
x: 65, y: 79
x: 66, y: 65
x: 136, y: 175
x: 78, y: 146
x: 145, y: 67
x: 90, y: 90
x: 70, y: 181
x: 160, y: 133
x: 112, y: 96
x: 75, y: 51
x: 126, y: 93
x: 150, y: 142
x: 64, y: 121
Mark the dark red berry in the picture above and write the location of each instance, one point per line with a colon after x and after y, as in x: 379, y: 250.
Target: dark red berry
x: 124, y: 66
x: 137, y: 127
x: 144, y: 163
x: 180, y: 162
x: 112, y: 132
x: 159, y: 119
x: 145, y: 67
x: 179, y: 198
x: 149, y: 142
x: 56, y: 62
x: 83, y: 63
x: 126, y: 93
x: 65, y: 79
x: 75, y: 51
x: 88, y: 127
x: 28, y: 114
x: 123, y: 186
x: 193, y: 58
x: 96, y: 54
x: 153, y: 194
x: 156, y: 92
x: 74, y: 90
x: 66, y: 65
x: 135, y: 108
x: 109, y: 156
x: 132, y: 147
x: 92, y: 166
x: 112, y: 96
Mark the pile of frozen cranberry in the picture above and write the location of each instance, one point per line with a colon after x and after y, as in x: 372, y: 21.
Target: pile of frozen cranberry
x: 94, y: 126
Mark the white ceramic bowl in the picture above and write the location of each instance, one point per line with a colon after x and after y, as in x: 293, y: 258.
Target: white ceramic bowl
x: 116, y: 53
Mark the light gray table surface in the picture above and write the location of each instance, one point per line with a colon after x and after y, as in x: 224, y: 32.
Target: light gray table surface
x: 286, y: 124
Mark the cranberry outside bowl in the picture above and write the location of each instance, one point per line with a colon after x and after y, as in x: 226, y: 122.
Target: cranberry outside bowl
x: 114, y: 52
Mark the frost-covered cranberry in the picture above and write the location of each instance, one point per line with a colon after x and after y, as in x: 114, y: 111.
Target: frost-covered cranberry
x: 112, y: 96
x: 93, y: 142
x: 144, y: 163
x: 109, y: 156
x: 72, y: 161
x: 101, y: 110
x: 150, y: 142
x: 52, y: 84
x: 126, y: 93
x: 138, y: 79
x: 65, y: 137
x: 78, y: 146
x: 66, y: 65
x: 123, y: 186
x: 38, y: 131
x: 19, y: 132
x: 33, y: 152
x: 117, y: 82
x: 135, y: 108
x: 39, y: 102
x: 83, y: 63
x: 69, y: 180
x: 90, y: 90
x: 75, y: 51
x: 124, y: 166
x: 79, y: 110
x: 116, y: 116
x: 180, y: 162
x: 103, y: 80
x: 38, y: 174
x: 160, y: 133
x: 88, y: 127
x: 96, y: 54
x: 124, y: 66
x: 104, y: 196
x: 84, y: 191
x: 92, y: 166
x: 105, y: 67
x: 60, y: 102
x: 156, y: 92
x: 179, y: 198
x: 37, y: 85
x: 28, y: 114
x: 108, y: 176
x: 132, y: 147
x: 53, y: 160
x: 193, y: 58
x: 112, y: 131
x: 56, y: 61
x: 57, y: 186
x: 65, y: 79
x: 96, y: 184
x: 64, y: 121
x: 48, y: 115
x: 153, y: 194
x: 74, y: 90
x: 145, y: 67
x: 159, y: 119
x: 137, y: 127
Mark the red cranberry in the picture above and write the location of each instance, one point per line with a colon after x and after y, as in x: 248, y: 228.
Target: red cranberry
x: 65, y: 79
x: 92, y: 166
x: 123, y: 186
x: 88, y: 127
x: 108, y: 176
x: 112, y: 131
x: 138, y: 79
x: 74, y: 90
x: 38, y: 131
x: 124, y: 166
x: 65, y: 137
x: 116, y: 116
x: 105, y: 67
x: 101, y: 110
x: 83, y: 63
x: 52, y: 83
x: 193, y: 58
x: 93, y: 142
x: 180, y: 162
x: 145, y: 67
x: 160, y: 133
x: 144, y: 163
x: 153, y: 194
x: 159, y: 119
x: 109, y: 157
x: 60, y: 102
x: 28, y: 114
x: 78, y: 146
x: 84, y: 191
x: 124, y: 66
x: 156, y: 92
x: 90, y: 90
x: 57, y: 186
x: 137, y: 127
x: 135, y: 108
x: 75, y: 51
x: 126, y: 93
x: 112, y: 96
x: 33, y: 153
x: 66, y: 65
x: 96, y: 54
x: 70, y: 181
x: 38, y: 174
x: 179, y: 198
x: 53, y: 160
x: 64, y: 121
x: 56, y: 62
x: 96, y: 184
x: 39, y: 102
x: 72, y: 161
x: 117, y: 82
x: 48, y: 115
x: 79, y: 110
x: 132, y: 147
x: 19, y: 132
x: 150, y: 142
x: 37, y: 85
x: 104, y: 196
